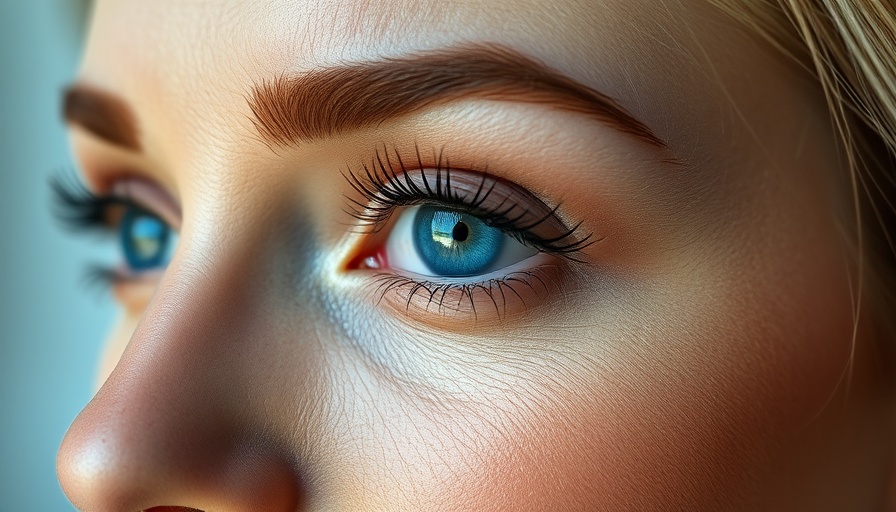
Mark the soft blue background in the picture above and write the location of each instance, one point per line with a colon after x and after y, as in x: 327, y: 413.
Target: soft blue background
x: 51, y: 325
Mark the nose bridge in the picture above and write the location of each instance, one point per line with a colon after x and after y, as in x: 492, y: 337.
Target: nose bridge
x: 182, y: 420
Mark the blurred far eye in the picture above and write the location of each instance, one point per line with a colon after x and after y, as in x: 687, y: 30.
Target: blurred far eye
x: 441, y: 241
x: 146, y: 241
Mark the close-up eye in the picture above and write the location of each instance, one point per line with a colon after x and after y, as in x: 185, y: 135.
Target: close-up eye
x: 455, y: 239
x: 145, y: 241
x: 434, y: 240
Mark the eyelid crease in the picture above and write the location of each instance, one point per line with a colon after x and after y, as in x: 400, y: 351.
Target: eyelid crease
x: 151, y: 198
x: 387, y: 185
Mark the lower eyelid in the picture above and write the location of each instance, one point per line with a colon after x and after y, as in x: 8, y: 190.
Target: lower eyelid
x: 134, y: 292
x: 510, y: 295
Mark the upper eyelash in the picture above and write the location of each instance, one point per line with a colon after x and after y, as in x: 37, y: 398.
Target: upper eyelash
x: 79, y: 208
x: 384, y: 189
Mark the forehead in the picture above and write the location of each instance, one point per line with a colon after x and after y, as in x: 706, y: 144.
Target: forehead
x: 186, y: 67
x: 296, y: 33
x: 207, y: 50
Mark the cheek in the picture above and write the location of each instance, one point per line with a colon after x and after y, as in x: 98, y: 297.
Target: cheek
x: 691, y: 404
x: 705, y: 407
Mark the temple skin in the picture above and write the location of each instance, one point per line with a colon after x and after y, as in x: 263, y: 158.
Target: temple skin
x: 701, y: 356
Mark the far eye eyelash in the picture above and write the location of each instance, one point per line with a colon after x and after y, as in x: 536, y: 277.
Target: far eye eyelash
x: 385, y: 189
x: 79, y: 208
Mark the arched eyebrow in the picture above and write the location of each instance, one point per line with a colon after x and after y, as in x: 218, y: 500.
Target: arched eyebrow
x: 102, y: 114
x: 322, y: 103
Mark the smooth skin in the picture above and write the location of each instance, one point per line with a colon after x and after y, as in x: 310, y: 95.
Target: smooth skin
x: 701, y: 357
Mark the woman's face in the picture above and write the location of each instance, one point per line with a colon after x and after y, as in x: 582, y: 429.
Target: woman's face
x: 477, y: 255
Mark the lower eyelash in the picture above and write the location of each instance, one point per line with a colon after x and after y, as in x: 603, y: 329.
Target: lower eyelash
x: 451, y: 296
x: 78, y: 208
x: 103, y: 277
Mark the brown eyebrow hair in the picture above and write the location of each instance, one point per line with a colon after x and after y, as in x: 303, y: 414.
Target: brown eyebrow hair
x: 324, y: 102
x: 102, y: 114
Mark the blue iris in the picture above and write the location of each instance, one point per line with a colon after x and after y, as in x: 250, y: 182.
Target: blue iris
x: 144, y: 240
x: 453, y: 243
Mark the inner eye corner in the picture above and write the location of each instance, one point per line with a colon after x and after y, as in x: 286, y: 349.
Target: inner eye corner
x: 367, y: 255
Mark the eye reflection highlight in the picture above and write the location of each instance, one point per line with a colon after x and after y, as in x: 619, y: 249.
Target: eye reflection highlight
x: 448, y: 229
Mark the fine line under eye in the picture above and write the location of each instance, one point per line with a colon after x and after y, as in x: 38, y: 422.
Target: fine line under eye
x: 387, y: 183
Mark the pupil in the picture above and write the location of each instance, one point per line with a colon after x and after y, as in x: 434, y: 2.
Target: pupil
x: 460, y: 232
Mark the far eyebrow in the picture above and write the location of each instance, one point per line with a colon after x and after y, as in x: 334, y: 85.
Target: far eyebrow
x: 329, y: 101
x: 102, y: 114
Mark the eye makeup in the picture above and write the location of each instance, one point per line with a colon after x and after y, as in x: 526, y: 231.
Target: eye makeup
x: 469, y: 202
x: 146, y: 239
x: 389, y: 183
x: 435, y: 238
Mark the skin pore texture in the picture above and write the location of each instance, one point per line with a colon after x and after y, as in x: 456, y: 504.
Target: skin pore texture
x: 700, y: 355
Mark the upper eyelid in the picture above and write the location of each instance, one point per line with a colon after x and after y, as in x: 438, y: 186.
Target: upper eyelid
x: 475, y: 192
x: 150, y: 197
x: 523, y: 212
x: 80, y: 208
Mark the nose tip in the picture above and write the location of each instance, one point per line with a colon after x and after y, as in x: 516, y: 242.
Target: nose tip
x: 110, y: 461
x: 186, y: 419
